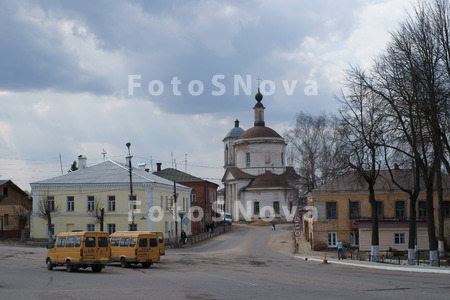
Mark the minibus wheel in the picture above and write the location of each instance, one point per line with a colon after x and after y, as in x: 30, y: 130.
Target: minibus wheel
x: 69, y: 266
x: 146, y: 265
x: 97, y: 268
x: 49, y: 264
x: 124, y: 263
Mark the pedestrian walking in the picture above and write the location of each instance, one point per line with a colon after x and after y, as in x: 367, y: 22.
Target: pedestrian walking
x: 340, y: 249
x: 273, y: 226
x: 183, y: 237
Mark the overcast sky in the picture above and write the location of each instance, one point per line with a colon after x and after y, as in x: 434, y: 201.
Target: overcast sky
x: 80, y: 77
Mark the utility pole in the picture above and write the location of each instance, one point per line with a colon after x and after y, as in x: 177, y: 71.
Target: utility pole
x: 175, y: 213
x: 131, y: 202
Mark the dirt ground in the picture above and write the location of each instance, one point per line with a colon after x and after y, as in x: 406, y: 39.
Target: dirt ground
x: 283, y: 242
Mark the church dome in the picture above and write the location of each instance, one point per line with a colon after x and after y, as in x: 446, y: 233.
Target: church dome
x: 259, y: 132
x: 235, y: 132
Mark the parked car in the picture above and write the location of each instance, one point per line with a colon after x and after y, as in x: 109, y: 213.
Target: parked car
x: 227, y: 219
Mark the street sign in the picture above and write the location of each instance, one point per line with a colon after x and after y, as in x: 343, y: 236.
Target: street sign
x: 297, y: 232
x: 296, y: 219
x: 297, y: 226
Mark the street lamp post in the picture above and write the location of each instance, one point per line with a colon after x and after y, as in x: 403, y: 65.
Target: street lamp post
x: 131, y: 202
x: 175, y: 213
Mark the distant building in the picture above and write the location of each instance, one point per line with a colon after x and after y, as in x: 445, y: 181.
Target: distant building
x: 77, y: 195
x: 203, y: 196
x: 257, y: 181
x: 341, y: 211
x: 15, y: 210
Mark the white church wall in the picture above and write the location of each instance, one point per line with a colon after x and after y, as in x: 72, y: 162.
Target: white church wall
x: 266, y: 199
x: 263, y: 156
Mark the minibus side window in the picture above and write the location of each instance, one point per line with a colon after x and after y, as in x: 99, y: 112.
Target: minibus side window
x: 78, y: 241
x: 143, y: 242
x: 61, y: 242
x: 153, y: 242
x: 160, y: 239
x: 132, y: 242
x: 90, y: 241
x: 124, y: 242
x: 115, y: 242
x: 70, y: 241
x: 102, y: 241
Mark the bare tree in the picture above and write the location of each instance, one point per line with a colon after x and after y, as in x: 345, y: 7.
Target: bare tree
x: 408, y: 77
x: 314, y: 150
x: 23, y: 215
x: 99, y: 213
x: 46, y: 207
x: 362, y: 126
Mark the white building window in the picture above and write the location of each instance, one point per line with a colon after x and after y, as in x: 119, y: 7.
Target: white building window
x: 111, y: 228
x: 111, y: 203
x: 354, y: 239
x: 399, y: 238
x: 90, y: 203
x: 332, y: 239
x: 256, y: 208
x: 276, y: 207
x: 70, y: 203
x: 247, y: 159
x: 51, y: 203
x: 90, y: 227
x: 193, y: 196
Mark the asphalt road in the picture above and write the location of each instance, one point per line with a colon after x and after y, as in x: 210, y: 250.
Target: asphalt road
x: 249, y: 262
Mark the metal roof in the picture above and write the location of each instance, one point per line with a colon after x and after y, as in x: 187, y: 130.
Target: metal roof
x: 177, y: 176
x: 106, y: 172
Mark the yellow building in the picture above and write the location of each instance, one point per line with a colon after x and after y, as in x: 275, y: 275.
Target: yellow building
x: 77, y: 198
x: 340, y: 210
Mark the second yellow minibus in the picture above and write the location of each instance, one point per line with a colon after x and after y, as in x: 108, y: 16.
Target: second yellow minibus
x: 134, y: 247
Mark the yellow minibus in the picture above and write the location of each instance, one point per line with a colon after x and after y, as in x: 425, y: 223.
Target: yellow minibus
x: 81, y: 249
x: 161, y: 245
x: 134, y: 247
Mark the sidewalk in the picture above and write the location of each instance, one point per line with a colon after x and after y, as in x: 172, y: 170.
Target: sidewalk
x: 305, y: 253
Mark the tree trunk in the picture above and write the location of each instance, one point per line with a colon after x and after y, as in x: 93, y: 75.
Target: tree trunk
x: 22, y: 235
x: 102, y: 218
x: 412, y: 242
x: 375, y: 247
x: 432, y: 241
x: 441, y: 212
x: 49, y: 227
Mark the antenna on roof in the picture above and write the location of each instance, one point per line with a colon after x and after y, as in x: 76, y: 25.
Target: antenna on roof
x: 185, y: 163
x: 104, y: 154
x: 60, y: 163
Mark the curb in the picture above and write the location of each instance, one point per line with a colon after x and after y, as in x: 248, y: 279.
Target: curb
x: 373, y: 265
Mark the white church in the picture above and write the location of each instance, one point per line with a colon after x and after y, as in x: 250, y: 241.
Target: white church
x: 257, y: 182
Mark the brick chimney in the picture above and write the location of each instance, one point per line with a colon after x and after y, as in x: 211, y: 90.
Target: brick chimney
x: 82, y: 162
x: 158, y: 167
